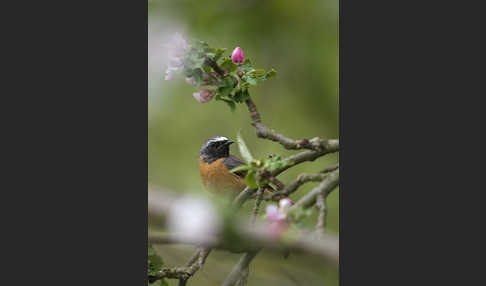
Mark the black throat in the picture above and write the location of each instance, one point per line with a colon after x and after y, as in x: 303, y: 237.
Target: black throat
x: 212, y: 154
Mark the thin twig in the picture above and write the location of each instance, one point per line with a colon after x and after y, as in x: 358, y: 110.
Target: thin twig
x: 330, y: 169
x: 243, y: 277
x: 215, y: 67
x: 182, y: 282
x: 243, y: 196
x: 305, y: 156
x: 293, y: 186
x: 325, y: 187
x: 258, y: 200
x: 239, y: 274
x: 276, y: 182
x: 321, y: 219
x: 184, y: 273
x: 316, y: 143
x: 239, y: 268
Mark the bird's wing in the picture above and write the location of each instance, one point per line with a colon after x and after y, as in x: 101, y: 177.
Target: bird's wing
x: 232, y: 162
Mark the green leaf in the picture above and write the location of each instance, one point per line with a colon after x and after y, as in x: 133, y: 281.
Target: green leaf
x: 241, y: 168
x: 241, y: 96
x: 228, y: 65
x: 250, y: 179
x: 226, y: 87
x: 219, y: 54
x: 257, y: 72
x: 245, y: 153
x: 155, y: 262
x: 251, y: 80
x: 231, y: 104
x: 246, y: 66
x: 154, y: 265
x: 269, y: 74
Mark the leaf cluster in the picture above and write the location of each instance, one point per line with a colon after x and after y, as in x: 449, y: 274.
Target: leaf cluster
x: 257, y: 168
x: 154, y: 266
x: 231, y: 86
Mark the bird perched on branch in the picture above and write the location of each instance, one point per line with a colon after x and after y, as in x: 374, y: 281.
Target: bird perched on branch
x: 215, y: 165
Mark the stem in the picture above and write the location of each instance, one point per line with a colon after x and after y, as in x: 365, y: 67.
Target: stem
x: 239, y: 269
x: 324, y: 188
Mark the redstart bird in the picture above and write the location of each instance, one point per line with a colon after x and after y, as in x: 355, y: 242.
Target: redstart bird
x: 215, y: 165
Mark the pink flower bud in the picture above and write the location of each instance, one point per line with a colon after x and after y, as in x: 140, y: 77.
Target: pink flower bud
x: 237, y: 56
x: 203, y: 95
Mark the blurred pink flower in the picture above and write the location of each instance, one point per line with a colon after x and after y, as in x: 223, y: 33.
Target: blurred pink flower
x: 277, y: 217
x: 276, y: 228
x: 193, y: 219
x: 237, y: 56
x: 177, y: 47
x: 204, y: 95
x: 272, y: 212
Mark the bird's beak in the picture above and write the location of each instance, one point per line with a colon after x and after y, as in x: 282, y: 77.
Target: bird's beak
x: 229, y: 142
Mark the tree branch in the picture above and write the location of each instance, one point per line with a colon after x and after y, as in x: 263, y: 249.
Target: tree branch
x: 330, y: 169
x: 258, y: 200
x: 331, y: 147
x: 215, y: 67
x: 243, y: 196
x: 324, y: 188
x: 184, y: 273
x: 321, y: 219
x: 293, y: 186
x: 316, y: 143
x: 253, y: 236
x: 240, y: 268
x: 276, y: 182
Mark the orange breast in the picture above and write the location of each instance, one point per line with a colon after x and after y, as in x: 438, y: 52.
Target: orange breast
x: 217, y: 178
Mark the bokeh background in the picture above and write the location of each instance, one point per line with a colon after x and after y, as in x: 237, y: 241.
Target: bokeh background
x: 299, y: 39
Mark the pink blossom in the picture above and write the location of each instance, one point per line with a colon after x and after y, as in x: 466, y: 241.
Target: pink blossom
x: 272, y: 212
x: 277, y: 217
x: 177, y: 47
x: 193, y: 219
x: 276, y: 228
x: 237, y: 56
x: 203, y: 95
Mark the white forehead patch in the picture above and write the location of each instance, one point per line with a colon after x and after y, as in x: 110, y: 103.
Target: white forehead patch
x: 217, y: 139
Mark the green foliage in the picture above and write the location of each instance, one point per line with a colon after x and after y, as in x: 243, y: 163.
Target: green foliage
x: 256, y: 167
x: 154, y: 265
x: 245, y: 153
x: 231, y: 87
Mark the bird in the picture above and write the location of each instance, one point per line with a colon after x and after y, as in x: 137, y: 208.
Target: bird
x: 215, y: 165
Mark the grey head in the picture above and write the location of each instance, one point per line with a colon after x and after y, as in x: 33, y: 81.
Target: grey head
x: 215, y: 148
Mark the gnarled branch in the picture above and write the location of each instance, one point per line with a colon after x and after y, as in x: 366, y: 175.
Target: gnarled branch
x: 324, y: 188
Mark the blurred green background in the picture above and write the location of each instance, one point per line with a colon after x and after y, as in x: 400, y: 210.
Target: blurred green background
x: 299, y: 39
